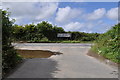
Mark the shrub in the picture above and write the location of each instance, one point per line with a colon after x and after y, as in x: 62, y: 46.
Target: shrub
x: 108, y: 44
x: 9, y: 56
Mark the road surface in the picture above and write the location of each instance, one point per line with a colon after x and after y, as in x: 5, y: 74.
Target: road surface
x: 73, y: 63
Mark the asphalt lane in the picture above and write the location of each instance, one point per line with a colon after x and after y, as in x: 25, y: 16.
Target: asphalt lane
x: 73, y: 63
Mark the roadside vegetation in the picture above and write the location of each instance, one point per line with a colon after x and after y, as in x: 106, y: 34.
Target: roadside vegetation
x: 46, y: 32
x: 108, y: 44
x: 9, y: 56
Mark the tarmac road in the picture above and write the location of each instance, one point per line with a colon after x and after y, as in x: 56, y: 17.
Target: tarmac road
x: 73, y: 63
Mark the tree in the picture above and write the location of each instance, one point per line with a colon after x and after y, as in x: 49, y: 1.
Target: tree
x: 48, y: 30
x: 18, y: 32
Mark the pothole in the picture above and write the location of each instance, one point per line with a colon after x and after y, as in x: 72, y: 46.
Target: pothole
x: 36, y: 53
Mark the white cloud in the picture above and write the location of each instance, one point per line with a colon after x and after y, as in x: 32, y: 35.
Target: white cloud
x: 74, y: 26
x: 88, y: 27
x: 60, y: 1
x: 31, y: 10
x: 47, y: 10
x: 0, y: 7
x: 113, y: 13
x: 77, y: 26
x: 43, y: 0
x: 66, y: 14
x: 97, y: 14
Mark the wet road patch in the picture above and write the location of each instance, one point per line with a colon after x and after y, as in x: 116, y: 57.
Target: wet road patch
x: 36, y: 53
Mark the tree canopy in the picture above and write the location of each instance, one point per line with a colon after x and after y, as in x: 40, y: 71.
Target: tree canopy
x: 45, y: 31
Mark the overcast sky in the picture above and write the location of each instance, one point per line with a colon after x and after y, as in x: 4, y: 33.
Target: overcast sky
x: 72, y: 16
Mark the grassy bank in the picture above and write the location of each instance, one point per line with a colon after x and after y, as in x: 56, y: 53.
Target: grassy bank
x: 108, y: 46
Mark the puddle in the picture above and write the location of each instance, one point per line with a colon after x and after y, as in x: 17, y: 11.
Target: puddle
x: 36, y: 53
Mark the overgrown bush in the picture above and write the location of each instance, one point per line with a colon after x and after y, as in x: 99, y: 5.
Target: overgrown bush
x: 9, y: 56
x: 81, y: 36
x: 108, y: 44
